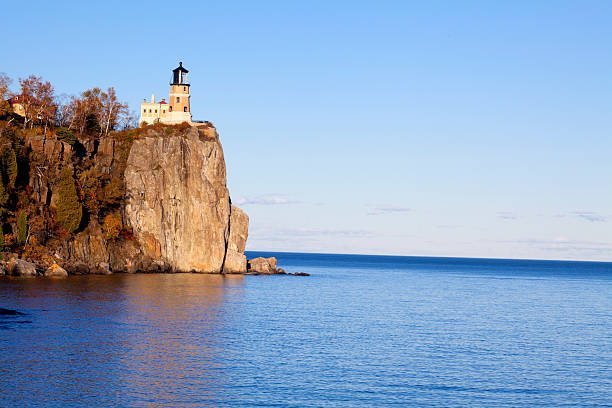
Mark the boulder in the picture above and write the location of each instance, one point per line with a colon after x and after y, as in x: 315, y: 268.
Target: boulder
x: 19, y: 267
x: 299, y: 274
x: 104, y: 268
x: 265, y: 266
x: 235, y: 259
x: 78, y: 268
x: 56, y: 271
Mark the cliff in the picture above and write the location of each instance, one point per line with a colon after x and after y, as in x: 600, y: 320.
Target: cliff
x: 178, y: 205
x: 153, y: 200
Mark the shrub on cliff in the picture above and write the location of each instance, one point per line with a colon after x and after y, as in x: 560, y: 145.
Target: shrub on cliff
x: 112, y: 226
x: 65, y: 135
x: 69, y: 209
x: 22, y: 228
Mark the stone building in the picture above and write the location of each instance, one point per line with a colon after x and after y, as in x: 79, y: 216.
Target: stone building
x: 177, y: 110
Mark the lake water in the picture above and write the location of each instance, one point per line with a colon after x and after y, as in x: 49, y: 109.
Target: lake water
x: 362, y: 331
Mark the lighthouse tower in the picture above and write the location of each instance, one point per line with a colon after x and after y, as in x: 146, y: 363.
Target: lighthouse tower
x: 179, y: 109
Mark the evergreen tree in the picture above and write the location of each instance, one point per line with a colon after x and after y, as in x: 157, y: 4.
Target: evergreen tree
x: 3, y: 198
x: 22, y: 228
x: 69, y: 209
x: 9, y: 166
x: 65, y: 135
x: 92, y: 126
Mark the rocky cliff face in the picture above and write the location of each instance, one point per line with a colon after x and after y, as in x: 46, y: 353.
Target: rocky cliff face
x: 235, y: 260
x: 176, y: 205
x: 177, y: 202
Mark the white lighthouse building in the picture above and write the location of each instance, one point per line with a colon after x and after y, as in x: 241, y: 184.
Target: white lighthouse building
x: 177, y: 109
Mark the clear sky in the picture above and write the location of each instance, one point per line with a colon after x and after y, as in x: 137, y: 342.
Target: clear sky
x: 443, y: 128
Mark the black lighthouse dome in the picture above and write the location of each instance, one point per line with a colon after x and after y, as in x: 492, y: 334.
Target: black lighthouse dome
x: 179, y: 75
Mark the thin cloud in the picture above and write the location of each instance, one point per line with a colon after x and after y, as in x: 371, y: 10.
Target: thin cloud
x: 265, y: 201
x: 563, y: 244
x: 589, y: 216
x: 389, y: 210
x: 506, y: 215
x: 317, y: 232
x: 269, y: 234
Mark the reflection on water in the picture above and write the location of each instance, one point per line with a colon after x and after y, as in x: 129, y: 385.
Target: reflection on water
x: 148, y: 338
x: 163, y: 354
x: 9, y: 318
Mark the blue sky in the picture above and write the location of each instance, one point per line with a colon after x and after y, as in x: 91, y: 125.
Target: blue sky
x: 443, y: 128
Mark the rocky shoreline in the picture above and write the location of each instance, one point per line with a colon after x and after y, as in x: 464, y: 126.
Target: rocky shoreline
x: 17, y: 267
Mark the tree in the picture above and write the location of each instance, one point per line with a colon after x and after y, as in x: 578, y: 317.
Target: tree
x: 3, y: 200
x: 5, y: 94
x: 65, y: 135
x: 63, y: 112
x: 129, y: 120
x: 111, y: 111
x: 69, y: 209
x: 8, y: 159
x: 95, y: 112
x: 38, y: 101
x: 92, y: 124
x: 83, y: 110
x: 22, y: 228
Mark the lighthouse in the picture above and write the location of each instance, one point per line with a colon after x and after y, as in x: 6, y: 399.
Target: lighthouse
x: 177, y: 109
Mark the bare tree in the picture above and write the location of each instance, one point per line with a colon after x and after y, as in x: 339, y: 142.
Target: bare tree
x: 111, y: 111
x: 130, y: 120
x: 62, y: 113
x: 80, y: 109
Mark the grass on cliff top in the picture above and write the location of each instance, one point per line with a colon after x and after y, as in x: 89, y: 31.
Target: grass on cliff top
x: 160, y: 130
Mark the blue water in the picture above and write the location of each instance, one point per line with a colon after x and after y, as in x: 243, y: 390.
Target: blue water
x: 362, y: 331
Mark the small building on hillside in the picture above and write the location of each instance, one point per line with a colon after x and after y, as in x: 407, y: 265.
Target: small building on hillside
x: 177, y: 110
x: 15, y: 102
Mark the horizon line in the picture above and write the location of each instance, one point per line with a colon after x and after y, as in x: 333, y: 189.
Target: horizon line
x: 431, y: 256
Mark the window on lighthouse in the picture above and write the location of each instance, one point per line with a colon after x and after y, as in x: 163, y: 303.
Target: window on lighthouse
x: 185, y: 109
x: 178, y: 99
